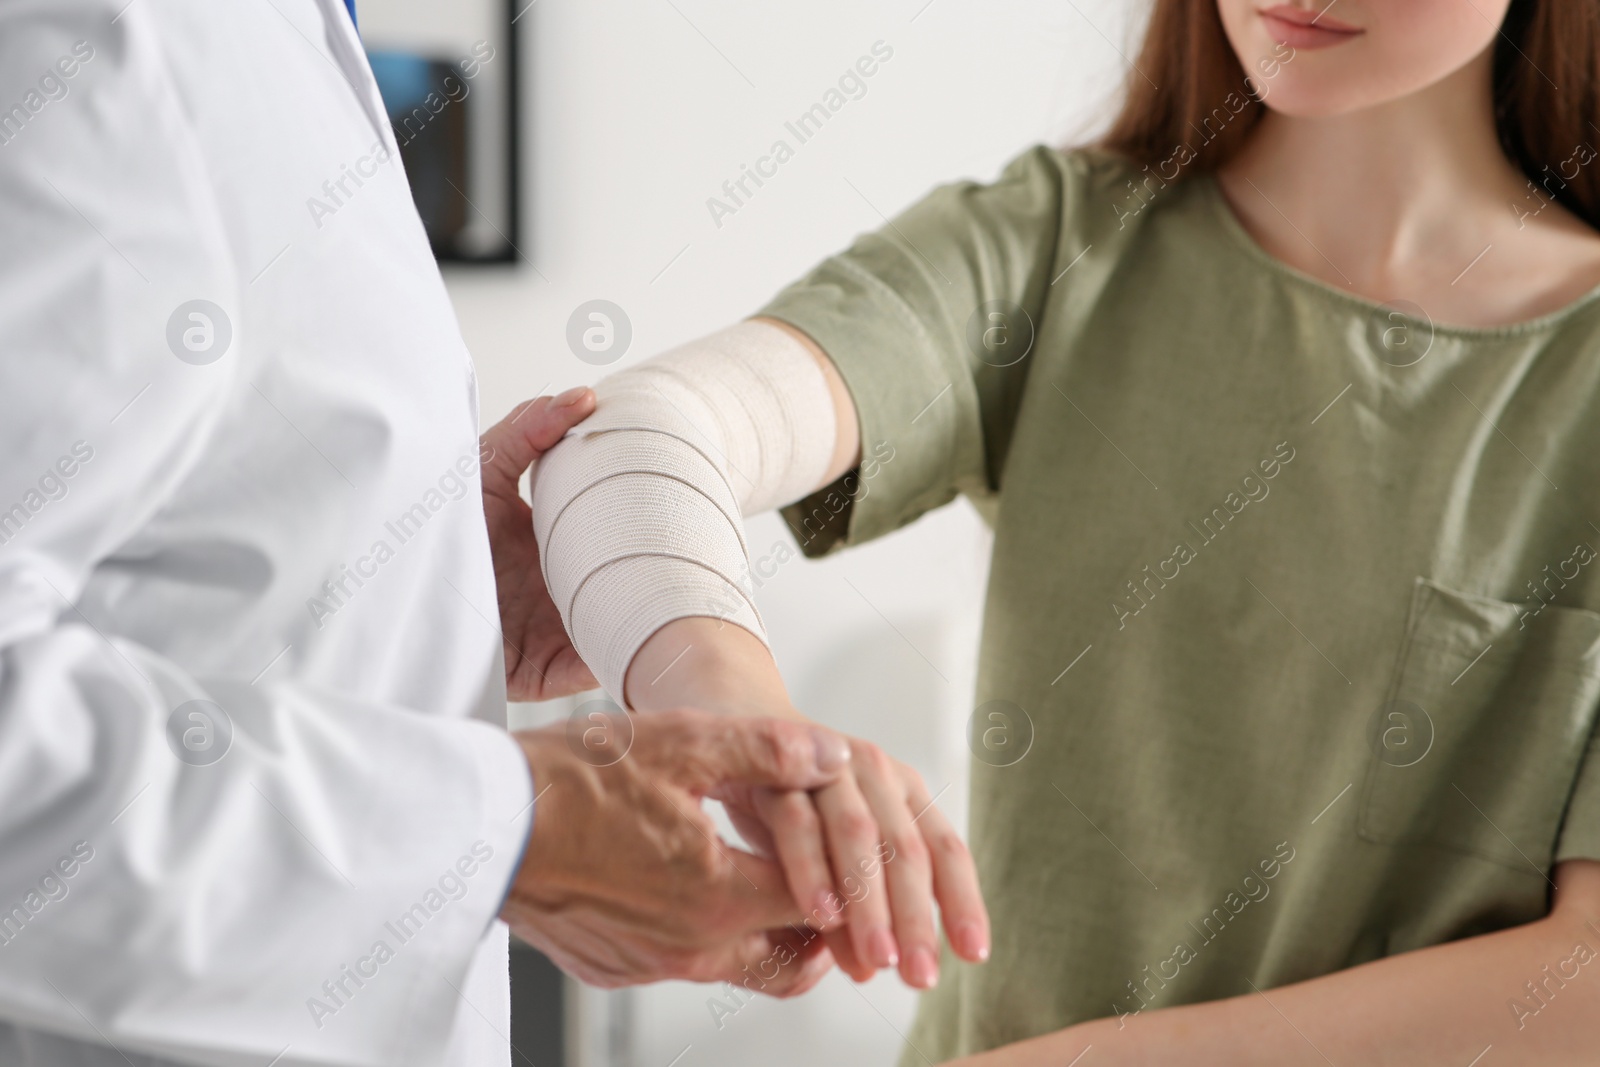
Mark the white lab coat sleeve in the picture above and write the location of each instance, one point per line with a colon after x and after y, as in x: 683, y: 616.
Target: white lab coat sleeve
x: 319, y: 892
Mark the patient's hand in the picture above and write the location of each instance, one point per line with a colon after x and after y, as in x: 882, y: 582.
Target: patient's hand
x: 873, y: 839
x: 541, y: 663
x: 890, y: 854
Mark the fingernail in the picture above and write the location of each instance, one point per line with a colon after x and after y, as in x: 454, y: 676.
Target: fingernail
x: 833, y: 751
x: 571, y: 396
x: 973, y: 944
x: 881, y: 947
x: 923, y: 968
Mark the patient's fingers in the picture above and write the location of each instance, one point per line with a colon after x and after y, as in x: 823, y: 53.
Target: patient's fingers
x: 853, y: 839
x: 908, y: 880
x: 792, y: 820
x: 844, y: 954
x: 955, y: 880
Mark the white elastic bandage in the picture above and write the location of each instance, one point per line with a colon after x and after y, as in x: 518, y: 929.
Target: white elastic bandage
x: 638, y: 510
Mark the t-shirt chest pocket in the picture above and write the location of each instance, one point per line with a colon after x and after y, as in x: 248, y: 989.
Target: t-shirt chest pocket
x: 1484, y: 728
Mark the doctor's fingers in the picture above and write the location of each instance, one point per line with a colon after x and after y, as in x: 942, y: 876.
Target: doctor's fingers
x: 750, y: 895
x: 532, y: 428
x: 612, y: 952
x: 844, y: 954
x: 702, y: 752
x: 564, y: 674
x: 779, y: 963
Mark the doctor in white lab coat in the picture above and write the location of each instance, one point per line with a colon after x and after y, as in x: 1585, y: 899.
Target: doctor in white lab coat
x: 257, y: 805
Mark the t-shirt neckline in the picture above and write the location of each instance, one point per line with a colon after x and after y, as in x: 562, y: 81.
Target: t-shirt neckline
x: 1241, y: 237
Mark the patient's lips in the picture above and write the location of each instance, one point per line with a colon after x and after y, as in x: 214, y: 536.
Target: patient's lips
x: 1299, y: 27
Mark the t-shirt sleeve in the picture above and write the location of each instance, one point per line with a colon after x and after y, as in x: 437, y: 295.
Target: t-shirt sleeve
x: 930, y: 321
x: 1580, y: 831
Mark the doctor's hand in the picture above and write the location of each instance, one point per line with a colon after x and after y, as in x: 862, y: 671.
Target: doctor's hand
x: 541, y: 663
x: 625, y: 879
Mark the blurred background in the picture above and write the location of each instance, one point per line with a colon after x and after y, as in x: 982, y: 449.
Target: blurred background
x: 573, y: 183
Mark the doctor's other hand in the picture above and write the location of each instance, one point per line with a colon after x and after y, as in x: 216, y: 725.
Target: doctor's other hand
x: 625, y: 879
x: 541, y: 663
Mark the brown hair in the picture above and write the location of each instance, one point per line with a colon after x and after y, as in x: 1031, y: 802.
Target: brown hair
x: 1546, y: 96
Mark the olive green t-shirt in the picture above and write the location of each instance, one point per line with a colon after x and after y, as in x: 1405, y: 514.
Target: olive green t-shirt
x: 1291, y: 652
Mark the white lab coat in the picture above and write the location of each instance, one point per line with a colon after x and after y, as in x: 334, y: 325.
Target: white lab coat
x: 167, y: 527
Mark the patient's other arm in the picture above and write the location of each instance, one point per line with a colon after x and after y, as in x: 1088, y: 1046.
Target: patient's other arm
x: 1451, y: 1005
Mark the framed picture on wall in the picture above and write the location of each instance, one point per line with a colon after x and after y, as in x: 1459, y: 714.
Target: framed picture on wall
x: 448, y: 73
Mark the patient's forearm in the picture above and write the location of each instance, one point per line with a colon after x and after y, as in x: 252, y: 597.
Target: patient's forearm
x: 638, y: 512
x: 1441, y: 1006
x: 710, y: 664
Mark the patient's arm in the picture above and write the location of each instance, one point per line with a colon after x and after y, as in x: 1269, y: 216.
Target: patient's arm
x: 608, y: 504
x: 1453, y: 1005
x: 847, y: 429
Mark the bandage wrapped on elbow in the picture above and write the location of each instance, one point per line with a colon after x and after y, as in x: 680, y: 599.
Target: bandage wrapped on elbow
x: 638, y: 511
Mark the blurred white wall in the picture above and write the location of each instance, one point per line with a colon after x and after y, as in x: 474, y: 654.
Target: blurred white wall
x: 637, y: 111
